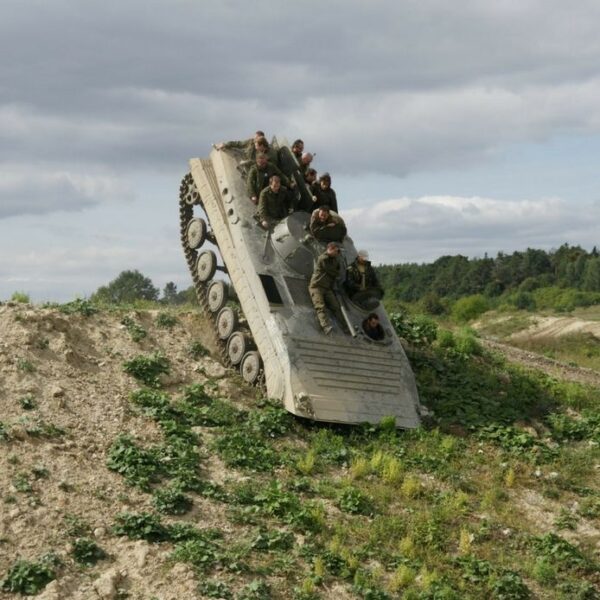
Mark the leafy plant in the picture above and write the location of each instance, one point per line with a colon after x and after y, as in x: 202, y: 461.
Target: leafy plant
x: 171, y: 501
x: 419, y: 331
x: 135, y: 330
x: 197, y: 350
x: 215, y: 589
x: 509, y: 586
x: 28, y: 402
x: 141, y: 526
x: 355, y: 502
x: 166, y: 320
x: 201, y: 552
x: 560, y: 552
x: 25, y: 365
x: 247, y: 450
x: 29, y: 578
x: 148, y: 369
x: 255, y: 590
x: 272, y: 540
x: 87, y: 552
x: 21, y: 297
x: 79, y: 306
x: 140, y: 467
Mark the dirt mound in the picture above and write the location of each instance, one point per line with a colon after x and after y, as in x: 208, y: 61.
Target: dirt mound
x: 64, y: 398
x: 557, y: 327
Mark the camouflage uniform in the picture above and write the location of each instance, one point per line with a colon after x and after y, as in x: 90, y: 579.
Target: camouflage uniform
x: 357, y: 281
x: 258, y: 179
x: 325, y: 197
x: 272, y: 154
x: 321, y: 291
x: 322, y: 232
x: 273, y: 206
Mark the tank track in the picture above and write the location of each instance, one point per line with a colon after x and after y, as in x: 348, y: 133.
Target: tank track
x: 188, y: 198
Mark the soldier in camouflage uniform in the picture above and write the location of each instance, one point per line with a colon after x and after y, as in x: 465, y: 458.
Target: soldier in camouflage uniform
x: 321, y: 288
x: 327, y: 226
x: 323, y: 193
x: 361, y: 283
x: 273, y: 203
x: 262, y: 145
x: 245, y: 145
x: 259, y: 175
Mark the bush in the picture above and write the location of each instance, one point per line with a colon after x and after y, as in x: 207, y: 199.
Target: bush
x: 20, y: 297
x: 419, y: 331
x: 87, y: 552
x: 148, y: 369
x: 469, y: 308
x: 30, y: 578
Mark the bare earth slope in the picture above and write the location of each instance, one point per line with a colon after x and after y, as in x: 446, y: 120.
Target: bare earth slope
x: 70, y: 368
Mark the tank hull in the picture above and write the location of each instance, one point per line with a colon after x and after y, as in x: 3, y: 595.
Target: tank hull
x: 338, y: 378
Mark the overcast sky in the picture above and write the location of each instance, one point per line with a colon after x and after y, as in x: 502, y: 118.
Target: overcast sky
x: 449, y: 127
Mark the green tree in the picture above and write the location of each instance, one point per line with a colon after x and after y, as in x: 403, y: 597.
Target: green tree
x: 591, y: 275
x: 129, y: 286
x: 170, y: 293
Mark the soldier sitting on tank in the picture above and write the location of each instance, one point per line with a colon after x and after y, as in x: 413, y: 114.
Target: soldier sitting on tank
x: 362, y: 285
x: 262, y: 145
x: 245, y: 145
x: 326, y: 225
x: 305, y: 161
x: 259, y: 175
x: 273, y: 203
x: 372, y: 327
x: 322, y: 285
x: 323, y: 193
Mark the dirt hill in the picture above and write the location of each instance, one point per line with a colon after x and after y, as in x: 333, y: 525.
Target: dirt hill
x: 192, y: 486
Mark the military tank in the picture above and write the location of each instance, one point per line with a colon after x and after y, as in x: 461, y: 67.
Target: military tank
x: 263, y: 318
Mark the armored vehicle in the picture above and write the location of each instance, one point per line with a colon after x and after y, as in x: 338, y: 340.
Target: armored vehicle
x: 269, y: 330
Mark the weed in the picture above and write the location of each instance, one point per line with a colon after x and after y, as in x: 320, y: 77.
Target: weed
x: 140, y: 467
x: 197, y: 350
x: 28, y: 402
x: 30, y: 578
x: 42, y: 429
x: 76, y: 527
x: 419, y: 331
x: 20, y: 297
x: 141, y: 526
x: 403, y: 577
x: 330, y: 448
x: 306, y: 464
x: 355, y: 502
x: 544, y: 572
x: 268, y: 541
x: 359, y: 467
x: 25, y: 365
x: 40, y: 472
x: 199, y: 408
x: 255, y: 590
x: 215, y: 589
x: 79, y: 306
x: 21, y: 483
x: 202, y: 553
x: 247, y: 450
x: 148, y: 369
x: 42, y: 344
x: 171, y: 501
x: 166, y: 320
x: 135, y: 330
x: 4, y: 435
x: 565, y: 520
x: 271, y: 420
x: 509, y: 586
x: 411, y: 487
x: 87, y: 552
x: 559, y: 552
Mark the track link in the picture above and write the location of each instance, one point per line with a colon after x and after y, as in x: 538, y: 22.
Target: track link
x: 188, y: 198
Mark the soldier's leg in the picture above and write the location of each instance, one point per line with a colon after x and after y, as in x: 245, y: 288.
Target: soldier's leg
x: 334, y: 304
x: 316, y: 295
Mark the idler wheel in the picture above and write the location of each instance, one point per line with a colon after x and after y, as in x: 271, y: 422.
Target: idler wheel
x: 216, y: 296
x: 206, y: 265
x: 250, y: 366
x: 226, y: 322
x: 237, y: 346
x: 196, y: 233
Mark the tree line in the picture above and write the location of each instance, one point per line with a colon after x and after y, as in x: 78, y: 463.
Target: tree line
x: 518, y: 274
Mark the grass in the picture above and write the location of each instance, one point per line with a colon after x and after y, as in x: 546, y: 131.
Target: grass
x: 379, y: 512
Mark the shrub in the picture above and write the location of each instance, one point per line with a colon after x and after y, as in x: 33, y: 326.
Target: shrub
x: 87, y: 552
x: 419, y: 331
x: 148, y: 369
x: 197, y: 350
x: 355, y: 502
x: 166, y: 320
x: 171, y: 501
x: 141, y: 526
x: 140, y: 467
x: 20, y: 297
x: 30, y: 578
x: 80, y: 307
x: 470, y: 307
x: 135, y: 330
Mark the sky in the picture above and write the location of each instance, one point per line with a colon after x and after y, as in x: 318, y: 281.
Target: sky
x: 459, y: 127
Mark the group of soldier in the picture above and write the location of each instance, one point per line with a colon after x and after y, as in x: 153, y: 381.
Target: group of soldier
x: 273, y: 189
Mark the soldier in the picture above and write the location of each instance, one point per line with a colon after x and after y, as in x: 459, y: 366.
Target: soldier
x: 372, y: 327
x: 321, y: 288
x: 245, y: 145
x: 361, y: 283
x: 305, y: 161
x: 297, y: 149
x: 259, y: 175
x: 310, y: 178
x: 324, y: 194
x: 273, y: 203
x: 327, y: 226
x: 262, y: 145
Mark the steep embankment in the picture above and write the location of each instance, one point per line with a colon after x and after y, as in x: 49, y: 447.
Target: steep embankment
x: 198, y: 488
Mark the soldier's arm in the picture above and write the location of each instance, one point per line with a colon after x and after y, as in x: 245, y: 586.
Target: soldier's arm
x: 262, y: 206
x: 251, y: 184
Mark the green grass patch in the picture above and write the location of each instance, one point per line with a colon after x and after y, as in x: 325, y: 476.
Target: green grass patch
x: 148, y: 368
